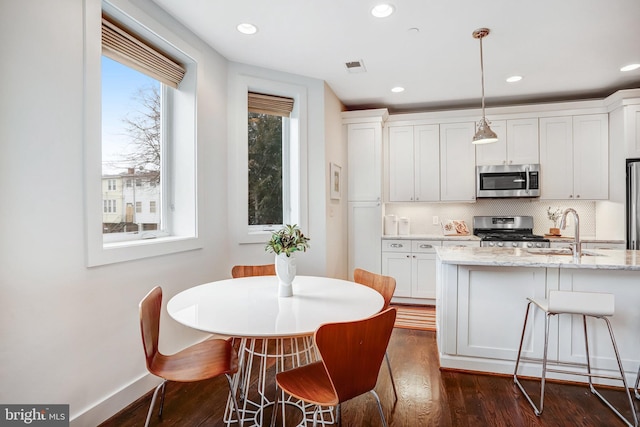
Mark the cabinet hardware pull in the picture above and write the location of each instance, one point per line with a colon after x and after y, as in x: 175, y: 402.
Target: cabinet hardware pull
x: 396, y: 245
x: 425, y: 246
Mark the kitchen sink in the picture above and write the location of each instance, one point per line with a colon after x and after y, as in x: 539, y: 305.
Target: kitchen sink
x: 557, y: 251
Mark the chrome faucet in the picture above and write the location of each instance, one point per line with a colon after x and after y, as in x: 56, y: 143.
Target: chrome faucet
x: 576, y: 246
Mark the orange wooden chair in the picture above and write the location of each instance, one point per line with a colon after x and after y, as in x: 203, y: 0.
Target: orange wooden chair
x: 386, y: 286
x: 201, y: 361
x: 253, y: 270
x: 351, y: 353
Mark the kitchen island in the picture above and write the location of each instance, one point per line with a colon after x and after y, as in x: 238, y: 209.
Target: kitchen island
x: 481, y: 297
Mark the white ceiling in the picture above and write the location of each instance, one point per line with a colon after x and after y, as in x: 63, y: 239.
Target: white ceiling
x: 565, y: 49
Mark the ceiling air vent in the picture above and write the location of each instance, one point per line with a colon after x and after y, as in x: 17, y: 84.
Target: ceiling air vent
x: 355, y: 66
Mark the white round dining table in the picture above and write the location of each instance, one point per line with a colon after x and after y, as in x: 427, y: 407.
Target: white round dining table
x: 250, y: 307
x: 270, y: 326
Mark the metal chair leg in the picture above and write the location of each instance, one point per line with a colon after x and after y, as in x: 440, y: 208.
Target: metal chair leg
x: 164, y: 389
x: 384, y: 420
x: 274, y: 412
x: 153, y: 401
x: 635, y: 387
x: 235, y: 400
x: 393, y: 383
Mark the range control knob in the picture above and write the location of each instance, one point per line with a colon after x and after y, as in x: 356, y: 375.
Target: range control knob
x: 530, y: 245
x: 499, y: 244
x: 514, y: 244
x: 538, y: 245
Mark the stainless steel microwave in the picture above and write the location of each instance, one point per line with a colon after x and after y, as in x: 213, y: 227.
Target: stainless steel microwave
x: 502, y: 181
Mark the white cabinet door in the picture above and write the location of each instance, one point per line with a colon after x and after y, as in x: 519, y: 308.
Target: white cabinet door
x: 427, y: 163
x: 365, y: 233
x: 556, y: 157
x: 623, y: 284
x: 517, y: 143
x: 574, y: 157
x: 591, y: 157
x: 424, y: 276
x: 401, y: 164
x: 398, y: 266
x: 364, y: 152
x: 491, y: 312
x: 522, y: 141
x: 414, y: 163
x: 632, y: 131
x: 457, y: 162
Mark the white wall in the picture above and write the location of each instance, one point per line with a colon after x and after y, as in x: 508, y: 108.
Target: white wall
x: 70, y: 333
x: 322, y: 117
x: 336, y: 212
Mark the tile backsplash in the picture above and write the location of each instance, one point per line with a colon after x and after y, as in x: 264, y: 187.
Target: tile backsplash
x: 421, y: 214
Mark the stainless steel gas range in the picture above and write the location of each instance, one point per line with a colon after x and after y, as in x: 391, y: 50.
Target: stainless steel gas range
x: 507, y: 232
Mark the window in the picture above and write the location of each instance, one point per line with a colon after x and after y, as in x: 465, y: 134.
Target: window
x: 252, y: 219
x: 268, y: 148
x: 140, y: 92
x: 152, y: 206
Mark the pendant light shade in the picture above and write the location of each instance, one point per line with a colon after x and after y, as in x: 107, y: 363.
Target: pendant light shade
x: 484, y: 134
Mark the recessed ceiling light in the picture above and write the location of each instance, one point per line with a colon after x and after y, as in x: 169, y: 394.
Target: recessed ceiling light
x: 246, y: 28
x: 514, y: 79
x: 397, y: 89
x: 630, y: 67
x: 383, y: 10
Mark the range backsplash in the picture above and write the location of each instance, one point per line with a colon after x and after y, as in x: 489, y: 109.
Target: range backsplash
x: 421, y: 214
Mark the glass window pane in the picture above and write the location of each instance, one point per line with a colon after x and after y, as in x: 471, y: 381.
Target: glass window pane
x: 265, y: 169
x: 131, y: 146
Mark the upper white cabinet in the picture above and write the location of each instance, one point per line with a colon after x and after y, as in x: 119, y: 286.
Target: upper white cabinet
x: 364, y: 151
x: 457, y: 162
x: 414, y: 163
x: 574, y: 157
x: 517, y: 143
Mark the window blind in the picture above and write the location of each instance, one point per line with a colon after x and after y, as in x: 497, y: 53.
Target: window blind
x: 128, y: 49
x: 270, y: 104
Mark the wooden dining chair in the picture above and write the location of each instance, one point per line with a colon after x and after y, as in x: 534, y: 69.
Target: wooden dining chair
x: 351, y: 356
x: 386, y: 286
x: 201, y: 361
x: 253, y: 270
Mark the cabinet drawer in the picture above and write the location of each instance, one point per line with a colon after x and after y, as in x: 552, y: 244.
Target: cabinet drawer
x: 424, y: 246
x: 396, y: 245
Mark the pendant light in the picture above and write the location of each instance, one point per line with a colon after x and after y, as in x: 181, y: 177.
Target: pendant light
x: 484, y: 134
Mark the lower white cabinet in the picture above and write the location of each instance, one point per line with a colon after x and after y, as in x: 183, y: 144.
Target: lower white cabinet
x: 413, y: 264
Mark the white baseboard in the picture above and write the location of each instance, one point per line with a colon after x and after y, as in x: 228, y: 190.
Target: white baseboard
x: 105, y: 409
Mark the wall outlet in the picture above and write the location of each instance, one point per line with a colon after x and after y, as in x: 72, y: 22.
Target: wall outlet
x: 435, y: 220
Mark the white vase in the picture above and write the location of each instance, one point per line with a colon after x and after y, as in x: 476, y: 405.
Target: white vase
x: 286, y: 272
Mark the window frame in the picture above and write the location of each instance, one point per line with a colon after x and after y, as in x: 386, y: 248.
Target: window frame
x: 296, y: 197
x: 183, y: 191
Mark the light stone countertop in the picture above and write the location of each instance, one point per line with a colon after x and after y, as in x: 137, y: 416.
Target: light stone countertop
x: 606, y: 259
x: 430, y: 237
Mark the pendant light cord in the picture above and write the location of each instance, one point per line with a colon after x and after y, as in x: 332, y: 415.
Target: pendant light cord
x: 482, y: 76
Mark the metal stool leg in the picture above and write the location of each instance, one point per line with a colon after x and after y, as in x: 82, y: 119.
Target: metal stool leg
x: 622, y: 377
x: 536, y: 410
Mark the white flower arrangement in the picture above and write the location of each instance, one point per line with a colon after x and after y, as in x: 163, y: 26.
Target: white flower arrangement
x: 554, y: 215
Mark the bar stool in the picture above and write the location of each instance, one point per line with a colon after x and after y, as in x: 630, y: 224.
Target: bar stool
x: 596, y: 305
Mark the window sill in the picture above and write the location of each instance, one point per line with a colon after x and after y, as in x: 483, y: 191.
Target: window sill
x: 111, y: 253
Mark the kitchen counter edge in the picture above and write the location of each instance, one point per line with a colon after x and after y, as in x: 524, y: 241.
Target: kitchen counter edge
x: 606, y: 259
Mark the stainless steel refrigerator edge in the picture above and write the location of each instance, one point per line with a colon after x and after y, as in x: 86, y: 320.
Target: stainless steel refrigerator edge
x: 633, y: 203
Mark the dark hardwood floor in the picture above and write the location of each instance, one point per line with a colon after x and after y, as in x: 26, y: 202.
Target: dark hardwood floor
x: 427, y: 397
